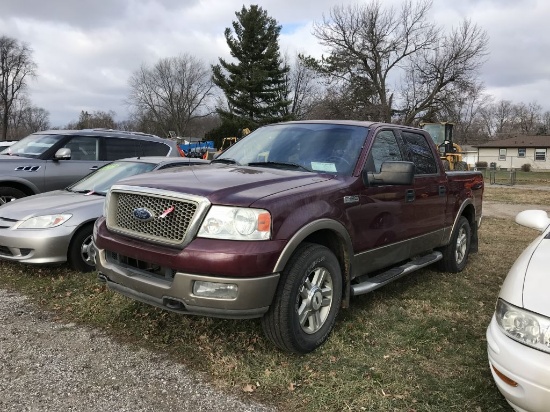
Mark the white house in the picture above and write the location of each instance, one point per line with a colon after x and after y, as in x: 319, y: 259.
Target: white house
x: 514, y: 152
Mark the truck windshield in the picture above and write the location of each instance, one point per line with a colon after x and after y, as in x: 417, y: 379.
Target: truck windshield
x: 32, y: 146
x: 315, y: 147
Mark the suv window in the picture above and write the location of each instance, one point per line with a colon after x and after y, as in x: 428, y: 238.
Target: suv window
x: 83, y: 147
x: 120, y: 148
x: 420, y: 153
x: 383, y: 148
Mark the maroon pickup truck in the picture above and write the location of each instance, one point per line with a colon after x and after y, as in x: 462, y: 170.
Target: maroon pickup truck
x: 288, y: 224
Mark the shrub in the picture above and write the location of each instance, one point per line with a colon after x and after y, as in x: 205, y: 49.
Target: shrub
x: 481, y: 165
x: 526, y: 167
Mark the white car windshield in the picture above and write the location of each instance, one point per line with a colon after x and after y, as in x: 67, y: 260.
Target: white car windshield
x: 313, y: 147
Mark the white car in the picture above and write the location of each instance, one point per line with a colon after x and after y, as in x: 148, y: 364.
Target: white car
x: 518, y: 337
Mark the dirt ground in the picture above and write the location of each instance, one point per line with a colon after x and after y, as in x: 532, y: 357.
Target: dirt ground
x: 497, y: 209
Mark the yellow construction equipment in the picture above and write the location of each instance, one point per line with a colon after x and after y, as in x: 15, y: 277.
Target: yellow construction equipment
x: 226, y: 142
x: 450, y: 152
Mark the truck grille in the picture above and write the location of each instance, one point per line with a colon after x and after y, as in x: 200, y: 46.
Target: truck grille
x: 157, y: 217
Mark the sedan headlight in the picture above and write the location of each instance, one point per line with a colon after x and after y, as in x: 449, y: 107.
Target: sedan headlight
x: 524, y: 326
x: 236, y: 223
x: 44, y: 222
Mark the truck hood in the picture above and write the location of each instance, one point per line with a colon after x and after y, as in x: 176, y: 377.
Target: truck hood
x: 228, y: 185
x: 49, y: 203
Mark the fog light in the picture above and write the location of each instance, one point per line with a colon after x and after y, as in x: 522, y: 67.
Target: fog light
x: 215, y: 290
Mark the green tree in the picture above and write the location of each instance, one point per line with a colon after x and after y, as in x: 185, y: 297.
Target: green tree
x: 255, y: 86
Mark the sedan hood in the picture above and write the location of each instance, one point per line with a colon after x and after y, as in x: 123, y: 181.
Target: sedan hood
x: 537, y: 280
x: 228, y: 185
x: 58, y: 201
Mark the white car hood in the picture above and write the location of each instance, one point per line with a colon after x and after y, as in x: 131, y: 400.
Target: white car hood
x: 528, y: 281
x: 536, y: 288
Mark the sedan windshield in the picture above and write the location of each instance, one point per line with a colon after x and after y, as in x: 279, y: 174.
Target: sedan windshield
x: 32, y: 146
x: 101, y: 181
x: 307, y: 147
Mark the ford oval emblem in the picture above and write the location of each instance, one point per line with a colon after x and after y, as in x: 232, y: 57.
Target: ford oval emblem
x: 143, y: 214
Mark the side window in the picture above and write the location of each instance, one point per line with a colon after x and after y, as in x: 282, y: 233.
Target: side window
x: 383, y: 148
x: 116, y: 148
x: 83, y: 147
x: 420, y: 153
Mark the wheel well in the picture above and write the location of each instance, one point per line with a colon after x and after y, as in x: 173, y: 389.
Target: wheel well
x: 19, y: 186
x: 334, y: 241
x: 469, y: 213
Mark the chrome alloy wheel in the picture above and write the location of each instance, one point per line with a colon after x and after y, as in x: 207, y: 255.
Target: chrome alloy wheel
x: 315, y: 300
x: 461, y: 245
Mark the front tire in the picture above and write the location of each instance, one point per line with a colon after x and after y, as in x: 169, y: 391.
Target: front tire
x: 455, y: 254
x: 79, y: 254
x: 7, y: 194
x: 307, y: 300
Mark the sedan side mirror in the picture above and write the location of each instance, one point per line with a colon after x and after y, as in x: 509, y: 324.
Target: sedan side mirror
x: 391, y: 173
x: 535, y: 219
x: 63, y: 154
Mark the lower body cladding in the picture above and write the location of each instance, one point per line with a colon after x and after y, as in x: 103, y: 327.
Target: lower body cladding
x: 521, y: 373
x: 231, y: 298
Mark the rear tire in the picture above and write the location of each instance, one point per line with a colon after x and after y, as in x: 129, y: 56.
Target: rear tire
x: 461, y: 166
x: 455, y: 254
x: 7, y: 194
x: 307, y: 300
x: 79, y: 254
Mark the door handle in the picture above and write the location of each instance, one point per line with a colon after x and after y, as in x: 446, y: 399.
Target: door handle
x: 410, y: 195
x: 442, y: 190
x: 94, y: 167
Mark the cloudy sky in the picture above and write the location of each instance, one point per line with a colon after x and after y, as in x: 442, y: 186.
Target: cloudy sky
x: 87, y: 50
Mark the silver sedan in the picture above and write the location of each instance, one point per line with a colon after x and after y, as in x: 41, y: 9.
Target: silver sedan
x: 56, y: 227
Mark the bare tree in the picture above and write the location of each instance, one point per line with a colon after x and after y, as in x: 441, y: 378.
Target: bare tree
x: 373, y: 47
x: 303, y: 87
x: 25, y: 119
x: 16, y: 67
x: 97, y: 119
x: 171, y: 93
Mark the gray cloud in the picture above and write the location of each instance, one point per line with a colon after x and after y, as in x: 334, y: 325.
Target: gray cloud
x: 86, y: 51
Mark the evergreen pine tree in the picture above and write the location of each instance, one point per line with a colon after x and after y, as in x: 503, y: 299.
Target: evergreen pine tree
x: 255, y: 86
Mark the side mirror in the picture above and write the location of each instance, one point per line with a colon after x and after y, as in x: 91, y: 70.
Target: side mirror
x: 63, y: 154
x: 535, y: 219
x: 391, y: 173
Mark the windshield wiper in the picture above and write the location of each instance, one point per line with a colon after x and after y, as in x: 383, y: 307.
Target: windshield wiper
x: 280, y: 165
x: 226, y: 161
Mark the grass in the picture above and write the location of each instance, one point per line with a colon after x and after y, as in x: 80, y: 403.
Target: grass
x: 417, y: 344
x: 504, y: 194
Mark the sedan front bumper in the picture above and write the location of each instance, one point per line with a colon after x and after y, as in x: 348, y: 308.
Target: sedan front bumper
x: 36, y: 245
x: 528, y: 367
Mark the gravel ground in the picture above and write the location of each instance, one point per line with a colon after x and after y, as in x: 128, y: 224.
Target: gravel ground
x: 51, y: 366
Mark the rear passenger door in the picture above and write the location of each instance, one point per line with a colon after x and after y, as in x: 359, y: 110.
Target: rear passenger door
x: 430, y: 185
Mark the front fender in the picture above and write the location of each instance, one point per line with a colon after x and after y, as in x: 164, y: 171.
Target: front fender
x: 309, y: 229
x: 17, y: 182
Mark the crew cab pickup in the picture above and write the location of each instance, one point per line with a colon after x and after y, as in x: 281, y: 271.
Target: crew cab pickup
x: 288, y: 224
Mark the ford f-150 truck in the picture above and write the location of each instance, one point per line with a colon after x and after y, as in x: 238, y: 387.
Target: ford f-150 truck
x: 288, y: 224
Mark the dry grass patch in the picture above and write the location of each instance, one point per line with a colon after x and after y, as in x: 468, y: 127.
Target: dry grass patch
x: 504, y: 194
x: 417, y: 344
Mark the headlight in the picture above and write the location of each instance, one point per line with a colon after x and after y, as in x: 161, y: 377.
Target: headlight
x: 524, y: 326
x: 236, y: 223
x: 44, y: 222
